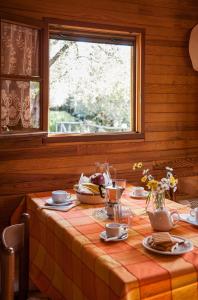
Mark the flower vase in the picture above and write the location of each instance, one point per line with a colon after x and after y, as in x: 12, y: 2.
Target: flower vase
x: 160, y: 217
x: 155, y: 201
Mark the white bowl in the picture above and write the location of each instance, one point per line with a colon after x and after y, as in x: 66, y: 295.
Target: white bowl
x: 89, y: 198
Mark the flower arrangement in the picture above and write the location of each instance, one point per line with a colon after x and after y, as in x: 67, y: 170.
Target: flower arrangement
x: 157, y: 188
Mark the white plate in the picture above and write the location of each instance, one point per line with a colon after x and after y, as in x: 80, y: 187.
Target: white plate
x: 104, y: 237
x: 188, y: 218
x: 133, y: 195
x: 187, y: 246
x: 51, y: 202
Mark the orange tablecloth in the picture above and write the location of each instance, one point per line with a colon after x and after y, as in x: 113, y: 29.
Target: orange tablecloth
x: 69, y: 261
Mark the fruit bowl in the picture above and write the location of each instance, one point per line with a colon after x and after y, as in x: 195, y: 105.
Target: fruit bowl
x: 91, y: 190
x: 89, y: 198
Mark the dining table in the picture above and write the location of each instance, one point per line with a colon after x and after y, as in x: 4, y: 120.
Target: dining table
x: 69, y: 260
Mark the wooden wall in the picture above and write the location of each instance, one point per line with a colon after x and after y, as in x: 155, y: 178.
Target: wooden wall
x: 171, y: 101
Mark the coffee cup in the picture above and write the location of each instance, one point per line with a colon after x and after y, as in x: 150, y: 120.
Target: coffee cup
x: 138, y: 191
x: 194, y: 213
x: 115, y: 229
x: 60, y: 196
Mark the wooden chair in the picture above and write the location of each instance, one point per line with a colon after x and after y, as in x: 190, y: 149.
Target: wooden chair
x: 15, y: 244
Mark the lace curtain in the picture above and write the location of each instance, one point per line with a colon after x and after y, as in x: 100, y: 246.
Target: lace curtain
x: 19, y: 56
x: 19, y: 104
x: 19, y: 50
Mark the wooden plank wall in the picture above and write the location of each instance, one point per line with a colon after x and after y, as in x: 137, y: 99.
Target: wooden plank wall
x: 171, y: 101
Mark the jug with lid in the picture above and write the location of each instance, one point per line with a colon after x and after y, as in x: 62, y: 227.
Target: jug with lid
x: 113, y: 195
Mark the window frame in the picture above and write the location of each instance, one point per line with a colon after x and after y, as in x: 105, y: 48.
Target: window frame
x: 135, y: 33
x: 41, y: 27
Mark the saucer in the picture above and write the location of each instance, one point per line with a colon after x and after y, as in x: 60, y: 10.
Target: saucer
x: 188, y: 218
x: 192, y: 220
x: 51, y: 202
x: 133, y: 195
x: 104, y: 237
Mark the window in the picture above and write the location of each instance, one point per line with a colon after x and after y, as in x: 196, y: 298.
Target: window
x: 20, y: 77
x: 80, y: 81
x: 93, y: 81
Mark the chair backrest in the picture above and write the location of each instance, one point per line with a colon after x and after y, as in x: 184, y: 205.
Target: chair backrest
x: 15, y: 241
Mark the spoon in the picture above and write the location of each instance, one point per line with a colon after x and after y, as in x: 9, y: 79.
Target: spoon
x: 113, y: 238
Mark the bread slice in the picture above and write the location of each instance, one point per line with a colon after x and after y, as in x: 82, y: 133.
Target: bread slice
x: 162, y: 241
x: 161, y: 238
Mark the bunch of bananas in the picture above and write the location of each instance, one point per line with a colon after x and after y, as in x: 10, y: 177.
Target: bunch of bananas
x: 94, y: 188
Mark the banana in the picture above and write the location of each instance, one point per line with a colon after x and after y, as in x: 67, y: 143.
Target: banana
x: 92, y: 187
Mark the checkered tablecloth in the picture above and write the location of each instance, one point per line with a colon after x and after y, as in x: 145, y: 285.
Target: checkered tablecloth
x: 69, y: 261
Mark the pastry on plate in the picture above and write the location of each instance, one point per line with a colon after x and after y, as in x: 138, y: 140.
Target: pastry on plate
x: 162, y: 241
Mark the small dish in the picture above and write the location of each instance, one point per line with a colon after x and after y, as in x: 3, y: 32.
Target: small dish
x: 104, y: 237
x: 133, y: 195
x: 188, y: 218
x: 51, y: 202
x: 185, y: 246
x: 100, y: 214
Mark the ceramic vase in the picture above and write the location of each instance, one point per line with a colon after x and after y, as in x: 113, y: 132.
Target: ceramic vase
x: 160, y: 217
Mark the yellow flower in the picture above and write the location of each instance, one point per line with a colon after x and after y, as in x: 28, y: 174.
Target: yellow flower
x: 144, y: 178
x: 137, y: 165
x: 152, y: 184
x: 173, y: 181
x: 134, y: 166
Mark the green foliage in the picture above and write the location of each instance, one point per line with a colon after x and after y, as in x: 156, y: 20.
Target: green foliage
x: 58, y: 116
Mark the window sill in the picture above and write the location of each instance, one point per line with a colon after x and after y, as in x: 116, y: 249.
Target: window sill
x: 102, y: 137
x: 22, y: 140
x: 25, y: 134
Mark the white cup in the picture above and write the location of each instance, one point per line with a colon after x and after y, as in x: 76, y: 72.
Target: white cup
x: 115, y: 229
x: 138, y: 191
x: 194, y: 213
x: 60, y: 196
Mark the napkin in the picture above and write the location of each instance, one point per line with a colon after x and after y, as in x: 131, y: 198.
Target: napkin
x: 59, y: 208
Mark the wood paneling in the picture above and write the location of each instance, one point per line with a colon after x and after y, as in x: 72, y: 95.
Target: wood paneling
x: 171, y: 101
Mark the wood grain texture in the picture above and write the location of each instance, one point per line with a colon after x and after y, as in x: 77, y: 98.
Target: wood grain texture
x: 171, y: 102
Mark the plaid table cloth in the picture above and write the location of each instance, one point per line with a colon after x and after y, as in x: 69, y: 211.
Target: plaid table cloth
x: 69, y: 261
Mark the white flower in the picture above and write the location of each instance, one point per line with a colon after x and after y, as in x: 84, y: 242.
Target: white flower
x: 169, y: 169
x: 175, y: 188
x: 150, y: 177
x: 164, y: 186
x: 164, y: 180
x: 145, y: 171
x: 169, y: 174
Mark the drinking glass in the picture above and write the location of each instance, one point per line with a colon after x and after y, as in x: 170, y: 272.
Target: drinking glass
x: 123, y: 215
